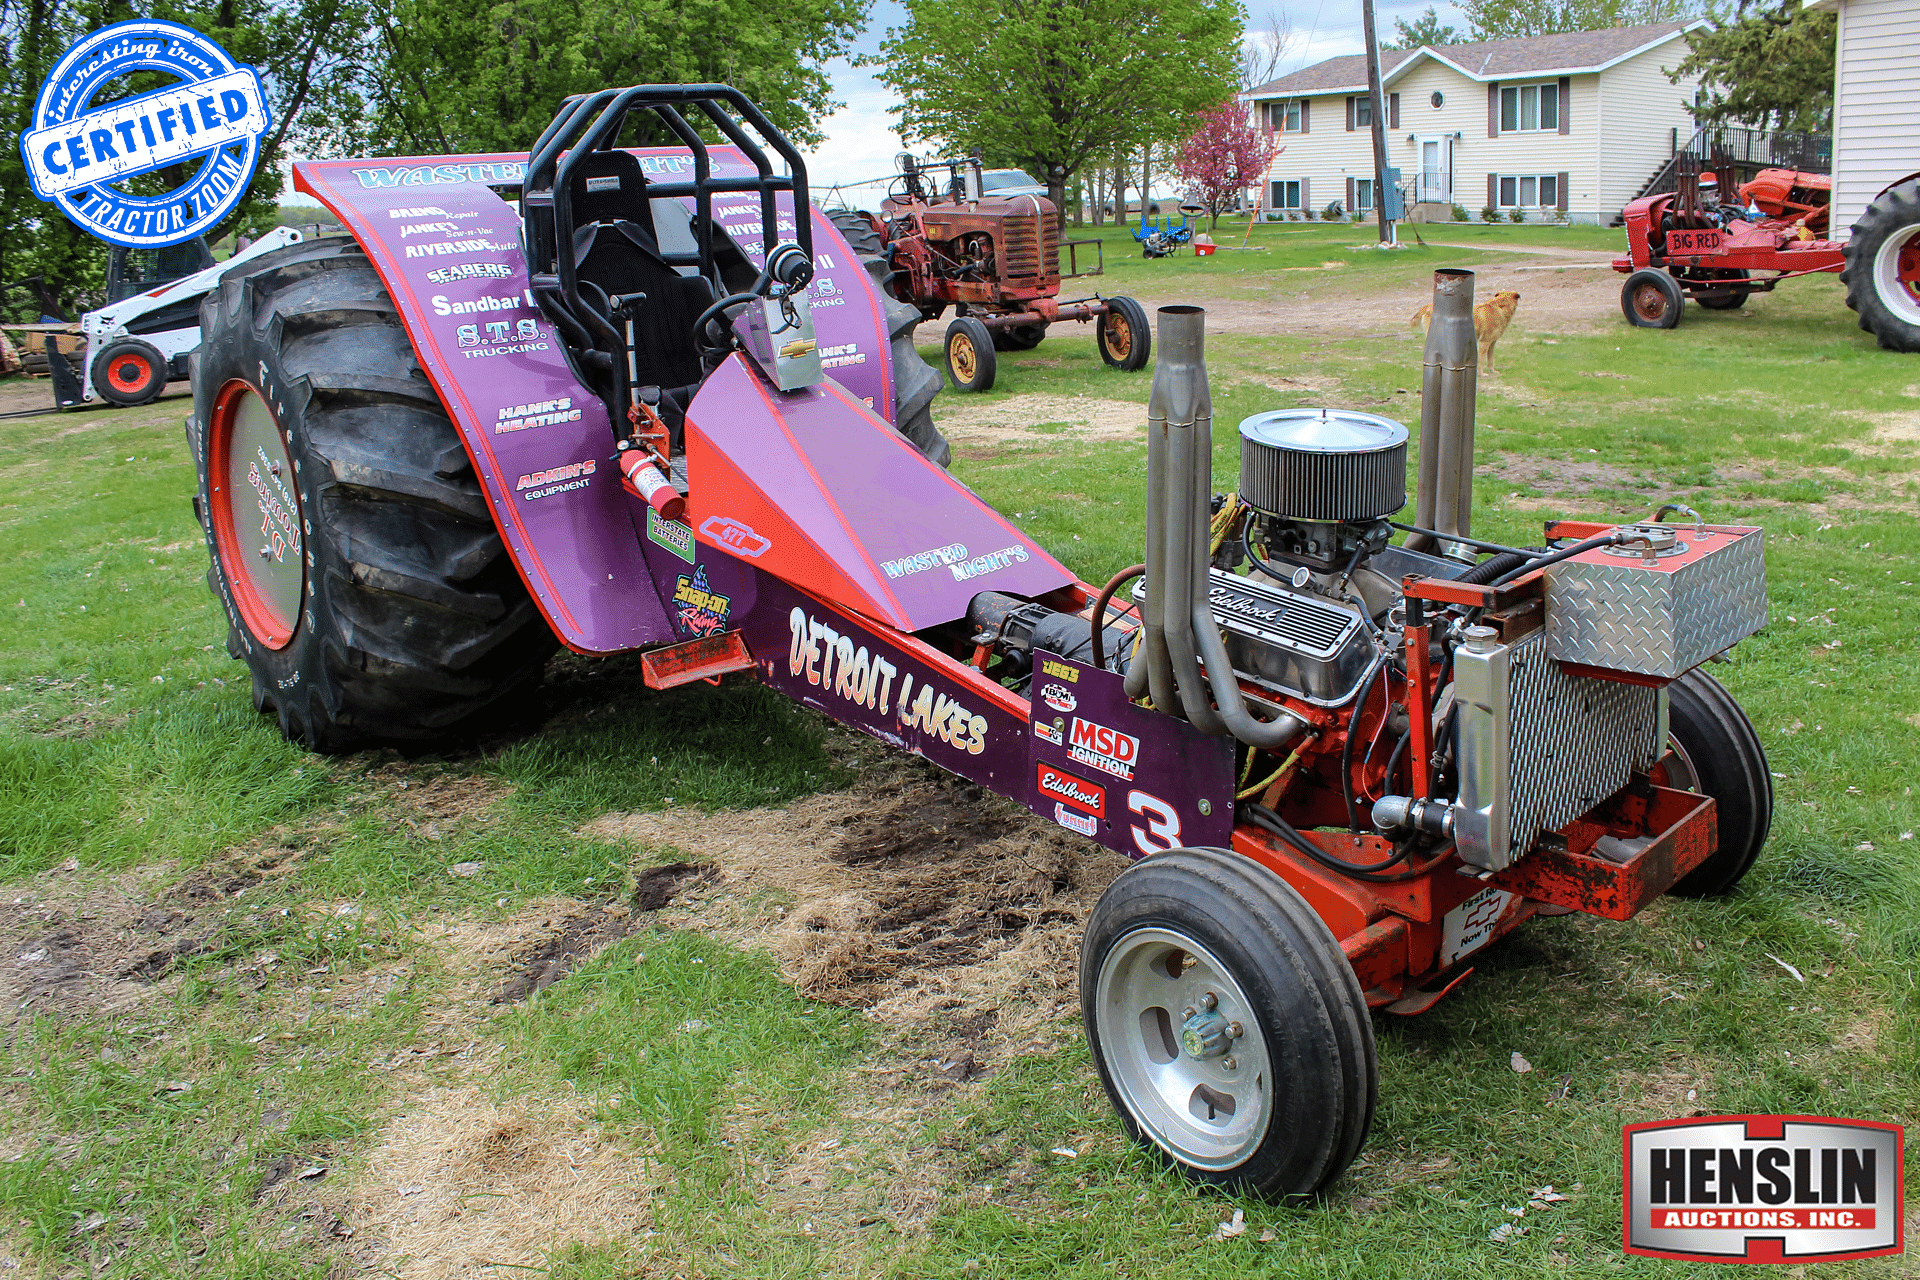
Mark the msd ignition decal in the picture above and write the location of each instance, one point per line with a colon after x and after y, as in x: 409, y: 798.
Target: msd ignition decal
x: 1764, y: 1188
x: 1162, y: 784
x: 700, y: 610
x: 1105, y: 749
x: 207, y: 124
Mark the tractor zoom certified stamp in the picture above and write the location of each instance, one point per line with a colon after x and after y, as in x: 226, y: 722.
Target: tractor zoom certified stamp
x: 1763, y: 1189
x: 214, y: 113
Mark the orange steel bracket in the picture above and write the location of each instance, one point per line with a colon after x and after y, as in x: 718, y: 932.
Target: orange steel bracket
x: 707, y: 658
x: 1685, y: 830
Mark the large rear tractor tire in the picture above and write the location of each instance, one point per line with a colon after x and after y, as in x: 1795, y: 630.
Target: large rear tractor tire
x: 365, y: 585
x: 1227, y: 1024
x: 1719, y: 754
x: 1882, y: 272
x: 915, y: 382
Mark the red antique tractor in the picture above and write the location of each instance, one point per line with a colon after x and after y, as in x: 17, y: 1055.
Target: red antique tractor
x: 1686, y: 243
x: 995, y: 259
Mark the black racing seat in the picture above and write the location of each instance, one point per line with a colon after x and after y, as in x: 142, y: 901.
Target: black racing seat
x: 615, y: 250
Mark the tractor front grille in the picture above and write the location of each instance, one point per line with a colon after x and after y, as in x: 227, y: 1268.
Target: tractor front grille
x: 1030, y: 244
x: 1573, y: 740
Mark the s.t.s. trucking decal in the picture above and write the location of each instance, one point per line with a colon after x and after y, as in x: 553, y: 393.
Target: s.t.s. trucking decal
x: 671, y: 534
x: 545, y: 484
x: 699, y: 609
x: 1059, y: 670
x: 1058, y: 696
x: 836, y: 664
x: 540, y: 413
x: 1763, y: 1188
x: 1105, y: 749
x: 736, y: 537
x: 503, y: 337
x: 1057, y: 784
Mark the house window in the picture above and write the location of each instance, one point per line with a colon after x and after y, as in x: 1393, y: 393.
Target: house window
x: 1363, y: 112
x: 1530, y: 108
x: 1530, y: 191
x: 1362, y: 194
x: 1284, y: 117
x: 1286, y: 195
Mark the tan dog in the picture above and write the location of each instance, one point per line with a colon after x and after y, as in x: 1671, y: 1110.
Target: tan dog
x: 1490, y: 321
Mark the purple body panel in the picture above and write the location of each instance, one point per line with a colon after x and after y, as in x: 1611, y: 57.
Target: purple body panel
x: 448, y: 249
x: 850, y: 509
x: 1129, y: 777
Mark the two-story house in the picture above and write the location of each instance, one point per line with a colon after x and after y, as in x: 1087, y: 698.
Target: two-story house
x: 1573, y: 123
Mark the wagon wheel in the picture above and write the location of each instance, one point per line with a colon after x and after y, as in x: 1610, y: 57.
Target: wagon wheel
x: 1652, y: 300
x: 1124, y: 339
x: 970, y: 358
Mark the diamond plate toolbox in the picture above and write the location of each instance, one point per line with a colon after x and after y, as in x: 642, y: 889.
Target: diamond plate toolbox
x: 1614, y: 609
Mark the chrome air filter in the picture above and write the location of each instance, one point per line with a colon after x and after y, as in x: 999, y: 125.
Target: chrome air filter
x: 1323, y: 464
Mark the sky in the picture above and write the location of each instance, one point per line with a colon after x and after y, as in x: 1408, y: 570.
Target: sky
x: 861, y: 142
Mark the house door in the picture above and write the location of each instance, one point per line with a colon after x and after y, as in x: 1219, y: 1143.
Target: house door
x: 1433, y: 182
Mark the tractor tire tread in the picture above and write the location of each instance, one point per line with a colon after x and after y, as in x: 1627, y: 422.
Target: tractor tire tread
x: 915, y: 382
x: 1736, y: 775
x: 1893, y: 210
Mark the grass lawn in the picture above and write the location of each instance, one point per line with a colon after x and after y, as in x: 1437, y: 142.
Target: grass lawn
x: 595, y: 996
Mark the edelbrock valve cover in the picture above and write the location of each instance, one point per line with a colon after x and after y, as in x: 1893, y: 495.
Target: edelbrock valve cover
x: 1288, y: 641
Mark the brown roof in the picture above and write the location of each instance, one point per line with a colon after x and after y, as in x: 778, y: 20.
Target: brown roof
x: 1489, y: 59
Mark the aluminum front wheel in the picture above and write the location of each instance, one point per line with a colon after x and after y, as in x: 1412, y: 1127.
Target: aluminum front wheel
x: 1207, y: 1100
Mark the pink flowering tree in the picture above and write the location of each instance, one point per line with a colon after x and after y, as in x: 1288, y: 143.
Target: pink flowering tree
x: 1224, y: 155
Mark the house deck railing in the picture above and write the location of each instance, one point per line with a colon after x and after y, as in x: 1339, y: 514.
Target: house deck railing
x: 1745, y: 150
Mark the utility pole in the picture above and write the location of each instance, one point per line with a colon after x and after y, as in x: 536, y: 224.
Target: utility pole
x: 1379, y: 114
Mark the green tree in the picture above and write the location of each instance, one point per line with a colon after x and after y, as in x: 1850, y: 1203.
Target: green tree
x: 1772, y: 67
x: 1059, y: 85
x: 451, y: 77
x: 1508, y: 19
x: 1427, y: 29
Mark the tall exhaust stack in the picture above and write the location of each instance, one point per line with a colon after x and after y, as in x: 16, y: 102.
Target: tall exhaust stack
x: 1449, y: 383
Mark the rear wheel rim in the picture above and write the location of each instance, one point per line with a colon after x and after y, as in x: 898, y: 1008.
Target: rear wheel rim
x: 129, y: 373
x: 1197, y: 1109
x: 1117, y: 334
x: 1896, y: 273
x: 255, y: 510
x: 1649, y: 302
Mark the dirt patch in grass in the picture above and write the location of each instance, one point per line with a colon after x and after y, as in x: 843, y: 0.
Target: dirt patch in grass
x: 81, y: 943
x: 542, y: 960
x: 1894, y: 434
x: 460, y: 1184
x: 914, y: 896
x: 1015, y: 419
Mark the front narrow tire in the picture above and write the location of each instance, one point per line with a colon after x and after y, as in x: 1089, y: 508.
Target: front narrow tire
x: 1227, y: 1025
x: 1719, y: 755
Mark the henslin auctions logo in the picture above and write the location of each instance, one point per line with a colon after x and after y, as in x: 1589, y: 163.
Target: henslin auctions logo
x: 1763, y: 1189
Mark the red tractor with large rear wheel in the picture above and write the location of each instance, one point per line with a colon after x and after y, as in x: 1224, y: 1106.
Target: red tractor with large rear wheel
x: 993, y: 258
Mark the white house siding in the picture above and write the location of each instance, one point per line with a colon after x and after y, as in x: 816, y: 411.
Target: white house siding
x: 1639, y: 111
x: 1327, y: 155
x: 1876, y: 117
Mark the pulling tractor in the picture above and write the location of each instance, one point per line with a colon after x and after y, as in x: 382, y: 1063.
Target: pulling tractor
x: 1687, y: 244
x: 996, y: 261
x: 434, y: 449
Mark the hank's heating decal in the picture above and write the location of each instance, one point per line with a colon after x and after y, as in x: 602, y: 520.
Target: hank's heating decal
x: 1763, y: 1188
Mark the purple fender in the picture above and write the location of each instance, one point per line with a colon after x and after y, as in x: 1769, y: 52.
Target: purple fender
x: 448, y: 248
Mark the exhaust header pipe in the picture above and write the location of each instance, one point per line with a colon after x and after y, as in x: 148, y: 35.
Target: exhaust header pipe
x: 1177, y: 620
x: 1449, y: 382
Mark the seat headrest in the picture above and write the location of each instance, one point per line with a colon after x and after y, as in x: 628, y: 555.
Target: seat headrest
x: 609, y: 186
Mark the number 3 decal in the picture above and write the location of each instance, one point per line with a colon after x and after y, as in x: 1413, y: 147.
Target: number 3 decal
x: 1163, y: 824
